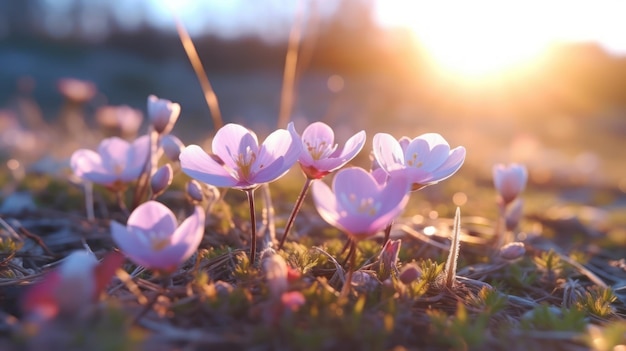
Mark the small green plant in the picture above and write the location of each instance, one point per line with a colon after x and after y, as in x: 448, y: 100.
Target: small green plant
x: 550, y: 318
x: 299, y: 256
x: 459, y: 331
x: 597, y: 301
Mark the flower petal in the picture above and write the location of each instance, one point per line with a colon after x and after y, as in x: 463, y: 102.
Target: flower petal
x: 137, y: 156
x: 199, y: 165
x: 153, y: 216
x: 388, y: 152
x: 353, y: 146
x: 453, y: 163
x: 87, y: 165
x: 227, y: 143
x: 427, y: 151
x: 325, y: 202
x: 190, y: 233
x: 114, y: 152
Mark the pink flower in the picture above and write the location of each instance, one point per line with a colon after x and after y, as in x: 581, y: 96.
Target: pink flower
x: 509, y: 180
x: 320, y: 155
x: 152, y: 239
x: 119, y: 120
x: 116, y: 163
x: 276, y: 271
x: 74, y: 285
x: 427, y: 159
x: 77, y: 90
x: 292, y: 300
x: 358, y: 204
x: 163, y: 114
x: 238, y: 161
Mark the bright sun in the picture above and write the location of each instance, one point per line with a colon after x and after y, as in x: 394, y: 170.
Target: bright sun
x: 486, y: 38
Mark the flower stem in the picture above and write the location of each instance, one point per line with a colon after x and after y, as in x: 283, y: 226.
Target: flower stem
x: 345, y: 290
x: 296, y: 209
x: 352, y: 245
x: 250, y: 194
x: 120, y: 202
x: 387, y: 233
x: 143, y: 183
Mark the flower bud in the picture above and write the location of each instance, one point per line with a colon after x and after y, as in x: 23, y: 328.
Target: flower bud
x: 275, y: 269
x: 172, y: 146
x: 292, y: 300
x: 194, y: 191
x: 163, y: 114
x: 161, y: 179
x: 410, y: 273
x: 512, y: 251
x: 389, y: 258
x: 509, y: 181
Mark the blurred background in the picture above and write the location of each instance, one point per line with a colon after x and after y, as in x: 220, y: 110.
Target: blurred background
x: 513, y: 81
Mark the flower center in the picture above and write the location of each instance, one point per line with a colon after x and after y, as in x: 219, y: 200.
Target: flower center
x: 413, y: 161
x: 118, y: 169
x: 364, y: 206
x: 156, y: 240
x: 320, y: 149
x: 245, y: 160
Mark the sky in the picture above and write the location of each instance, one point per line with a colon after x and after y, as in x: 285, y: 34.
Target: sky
x: 471, y: 37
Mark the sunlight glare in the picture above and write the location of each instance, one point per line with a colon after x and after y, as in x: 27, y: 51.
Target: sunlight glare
x: 484, y: 38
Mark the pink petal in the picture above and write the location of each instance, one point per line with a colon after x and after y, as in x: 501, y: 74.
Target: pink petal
x: 453, y: 163
x: 318, y: 132
x: 115, y: 153
x: 355, y: 181
x: 388, y: 152
x: 325, y: 202
x: 199, y: 165
x: 427, y: 151
x: 152, y: 216
x: 190, y: 232
x: 353, y: 146
x: 87, y: 165
x: 227, y: 143
x: 137, y: 156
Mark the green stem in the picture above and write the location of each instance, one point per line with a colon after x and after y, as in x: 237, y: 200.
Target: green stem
x: 250, y: 194
x: 296, y: 209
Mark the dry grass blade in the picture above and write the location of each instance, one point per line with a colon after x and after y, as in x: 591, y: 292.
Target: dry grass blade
x: 453, y: 256
x: 207, y: 89
x: 289, y: 75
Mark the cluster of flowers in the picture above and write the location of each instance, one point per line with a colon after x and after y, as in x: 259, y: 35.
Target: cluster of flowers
x: 360, y: 202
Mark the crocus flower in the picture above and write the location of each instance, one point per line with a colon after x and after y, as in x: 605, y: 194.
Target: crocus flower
x: 163, y: 114
x: 426, y: 159
x: 509, y: 181
x: 116, y: 163
x: 151, y: 237
x: 320, y: 155
x: 238, y: 161
x: 358, y: 204
x: 73, y: 286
